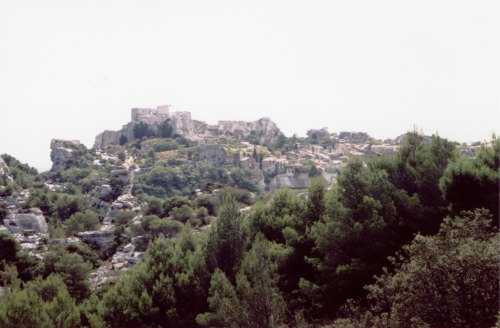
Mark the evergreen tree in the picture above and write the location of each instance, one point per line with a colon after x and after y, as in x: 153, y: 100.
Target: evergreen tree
x: 378, y: 207
x: 255, y: 301
x: 41, y: 303
x: 166, y: 129
x: 75, y: 272
x: 168, y: 289
x: 123, y: 140
x: 225, y: 240
x: 446, y: 280
x: 473, y: 183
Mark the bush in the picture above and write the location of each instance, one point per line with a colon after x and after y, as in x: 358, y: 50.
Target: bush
x: 207, y: 202
x: 154, y: 207
x: 240, y: 195
x: 166, y: 129
x: 242, y: 179
x: 182, y: 214
x: 173, y: 202
x: 81, y: 221
x: 142, y: 129
x: 122, y: 156
x: 165, y: 227
x: 123, y: 140
x: 124, y: 217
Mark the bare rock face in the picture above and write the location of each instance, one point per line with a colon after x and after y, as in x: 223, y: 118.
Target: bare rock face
x: 122, y: 203
x: 103, y: 239
x: 199, y: 127
x: 212, y: 154
x: 292, y: 182
x: 33, y: 220
x: 63, y: 153
x: 266, y: 130
x: 182, y: 123
x: 5, y: 171
x: 106, y: 138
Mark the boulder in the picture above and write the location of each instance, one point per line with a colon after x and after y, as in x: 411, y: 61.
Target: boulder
x: 32, y: 221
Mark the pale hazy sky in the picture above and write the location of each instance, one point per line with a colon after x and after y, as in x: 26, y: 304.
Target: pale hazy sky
x: 71, y: 69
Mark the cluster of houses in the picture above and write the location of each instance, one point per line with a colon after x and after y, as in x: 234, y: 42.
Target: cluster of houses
x: 329, y: 159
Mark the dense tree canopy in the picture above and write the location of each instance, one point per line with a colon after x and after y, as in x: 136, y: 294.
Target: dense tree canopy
x: 446, y: 280
x: 473, y: 183
x: 387, y: 245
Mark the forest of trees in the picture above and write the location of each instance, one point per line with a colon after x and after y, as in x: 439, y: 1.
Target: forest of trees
x: 409, y: 240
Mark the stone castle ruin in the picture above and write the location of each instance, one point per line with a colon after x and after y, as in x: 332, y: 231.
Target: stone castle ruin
x: 264, y: 129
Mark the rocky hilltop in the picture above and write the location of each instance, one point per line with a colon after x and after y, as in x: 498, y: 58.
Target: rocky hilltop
x: 160, y: 172
x: 161, y: 121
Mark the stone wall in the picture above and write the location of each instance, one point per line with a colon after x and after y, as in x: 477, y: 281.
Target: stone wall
x: 149, y: 115
x: 107, y: 138
x: 182, y: 123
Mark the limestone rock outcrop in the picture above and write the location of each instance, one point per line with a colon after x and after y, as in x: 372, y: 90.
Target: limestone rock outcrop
x: 292, y: 182
x: 107, y: 137
x: 103, y: 239
x: 32, y: 220
x: 264, y: 129
x: 64, y: 153
x: 122, y: 203
x: 212, y: 154
x: 5, y: 171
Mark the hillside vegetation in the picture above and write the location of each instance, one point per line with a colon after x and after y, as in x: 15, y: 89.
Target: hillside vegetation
x: 160, y: 232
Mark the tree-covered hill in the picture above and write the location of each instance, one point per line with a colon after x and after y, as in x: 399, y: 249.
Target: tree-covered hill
x: 160, y: 231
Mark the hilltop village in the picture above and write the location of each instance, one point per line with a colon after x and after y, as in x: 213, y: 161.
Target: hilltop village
x: 234, y: 143
x: 171, y: 221
x: 255, y: 156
